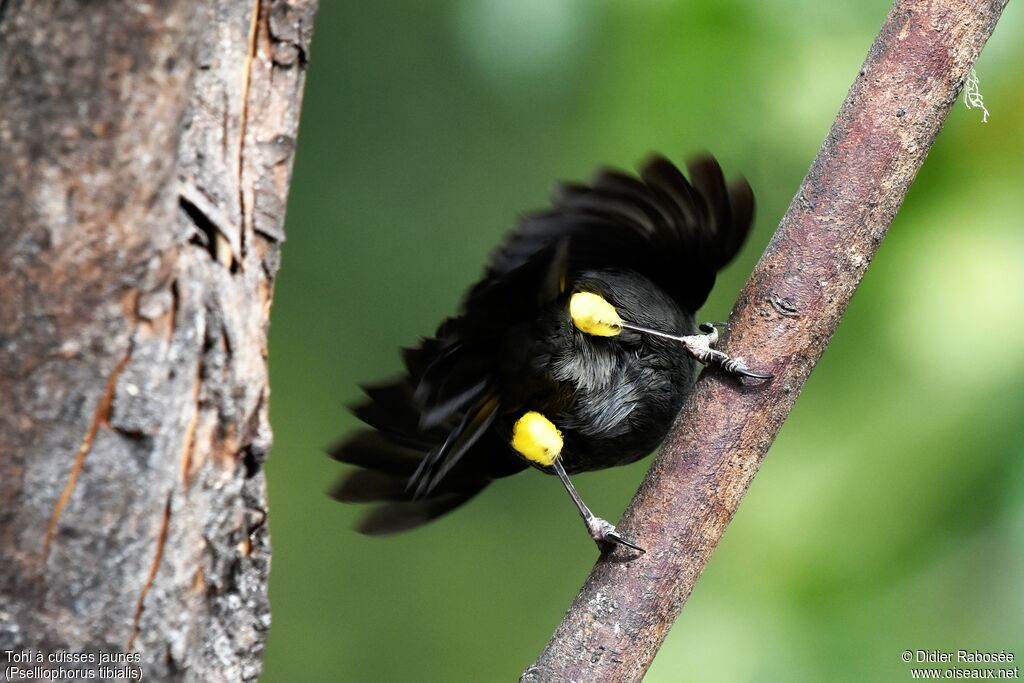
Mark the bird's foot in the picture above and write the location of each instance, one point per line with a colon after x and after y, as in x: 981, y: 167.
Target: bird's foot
x: 605, y: 535
x: 701, y: 347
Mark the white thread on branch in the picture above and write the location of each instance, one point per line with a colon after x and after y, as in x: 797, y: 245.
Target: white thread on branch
x: 972, y: 95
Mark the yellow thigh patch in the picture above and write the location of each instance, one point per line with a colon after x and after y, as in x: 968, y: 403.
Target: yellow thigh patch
x: 537, y: 439
x: 592, y: 314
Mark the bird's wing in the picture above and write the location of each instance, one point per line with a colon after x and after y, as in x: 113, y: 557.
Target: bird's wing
x: 400, y: 464
x: 676, y: 232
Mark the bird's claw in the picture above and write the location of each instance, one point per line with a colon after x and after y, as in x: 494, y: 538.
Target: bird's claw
x: 702, y: 348
x: 736, y: 366
x: 605, y: 534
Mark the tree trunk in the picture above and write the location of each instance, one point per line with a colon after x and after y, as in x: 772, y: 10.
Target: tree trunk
x: 145, y: 157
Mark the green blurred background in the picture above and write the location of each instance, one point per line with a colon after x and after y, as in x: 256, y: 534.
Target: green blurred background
x: 889, y: 515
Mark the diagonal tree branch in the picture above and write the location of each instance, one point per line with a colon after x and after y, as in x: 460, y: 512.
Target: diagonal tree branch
x: 782, y: 322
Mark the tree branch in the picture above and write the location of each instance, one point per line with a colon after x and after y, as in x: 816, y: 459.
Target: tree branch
x: 145, y: 159
x: 783, y: 320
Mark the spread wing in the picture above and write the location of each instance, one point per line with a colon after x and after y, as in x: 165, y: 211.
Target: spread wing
x: 677, y: 232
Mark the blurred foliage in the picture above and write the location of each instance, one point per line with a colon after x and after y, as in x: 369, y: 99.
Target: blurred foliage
x: 890, y: 512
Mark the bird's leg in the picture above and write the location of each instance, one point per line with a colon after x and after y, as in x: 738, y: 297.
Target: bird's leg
x: 538, y: 440
x: 593, y: 315
x: 702, y: 347
x: 601, y: 530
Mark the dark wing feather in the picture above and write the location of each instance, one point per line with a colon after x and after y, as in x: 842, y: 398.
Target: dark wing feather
x: 393, y: 517
x: 675, y: 233
x: 370, y: 449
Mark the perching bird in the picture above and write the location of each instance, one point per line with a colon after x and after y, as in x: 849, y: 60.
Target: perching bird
x: 573, y: 352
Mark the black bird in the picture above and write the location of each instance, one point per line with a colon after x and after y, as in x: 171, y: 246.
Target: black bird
x: 573, y: 352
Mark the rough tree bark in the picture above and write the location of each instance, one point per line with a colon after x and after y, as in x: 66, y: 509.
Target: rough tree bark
x: 145, y: 157
x: 782, y: 322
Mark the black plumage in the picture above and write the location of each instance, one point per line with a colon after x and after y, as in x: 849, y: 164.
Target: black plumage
x: 650, y: 246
